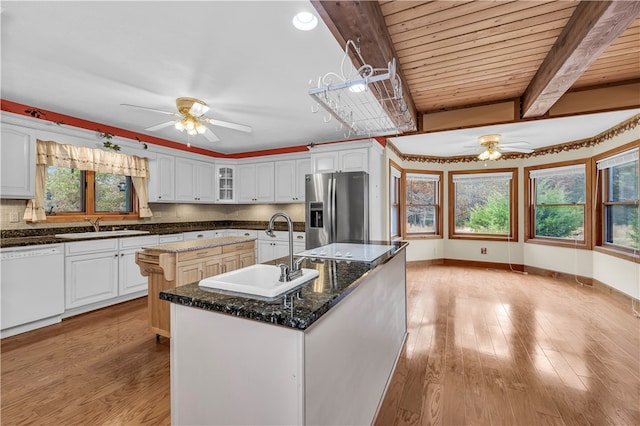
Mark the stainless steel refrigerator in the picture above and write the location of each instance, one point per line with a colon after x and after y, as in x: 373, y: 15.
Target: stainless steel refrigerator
x: 337, y: 208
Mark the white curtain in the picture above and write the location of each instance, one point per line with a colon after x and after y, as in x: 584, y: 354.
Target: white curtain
x: 50, y: 153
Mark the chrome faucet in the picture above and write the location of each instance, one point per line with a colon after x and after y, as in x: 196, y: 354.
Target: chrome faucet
x: 292, y: 270
x: 94, y: 223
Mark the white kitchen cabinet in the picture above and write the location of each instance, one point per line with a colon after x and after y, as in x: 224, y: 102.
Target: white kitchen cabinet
x: 289, y: 180
x: 203, y: 235
x: 352, y: 160
x: 130, y: 280
x: 225, y: 184
x: 194, y: 181
x: 162, y: 179
x: 270, y: 248
x: 91, y: 278
x: 18, y: 162
x: 256, y: 183
x: 171, y: 238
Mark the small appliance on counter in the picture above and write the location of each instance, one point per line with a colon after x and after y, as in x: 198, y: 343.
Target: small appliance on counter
x: 337, y: 208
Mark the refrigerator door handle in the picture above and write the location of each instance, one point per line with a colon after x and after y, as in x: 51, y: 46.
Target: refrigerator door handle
x: 331, y: 209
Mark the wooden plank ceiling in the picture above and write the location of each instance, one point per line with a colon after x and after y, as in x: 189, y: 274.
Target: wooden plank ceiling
x: 456, y: 54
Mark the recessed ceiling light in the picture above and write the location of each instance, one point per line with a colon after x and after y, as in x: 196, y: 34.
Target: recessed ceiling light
x: 305, y: 21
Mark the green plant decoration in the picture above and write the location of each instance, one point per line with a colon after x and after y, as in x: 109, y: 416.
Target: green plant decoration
x: 107, y: 143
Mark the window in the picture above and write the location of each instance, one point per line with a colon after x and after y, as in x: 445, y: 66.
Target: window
x: 71, y: 192
x: 394, y: 202
x: 484, y: 204
x: 558, y: 204
x: 422, y: 212
x: 617, y: 179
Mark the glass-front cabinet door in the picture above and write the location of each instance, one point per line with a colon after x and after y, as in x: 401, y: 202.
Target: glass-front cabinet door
x: 225, y: 191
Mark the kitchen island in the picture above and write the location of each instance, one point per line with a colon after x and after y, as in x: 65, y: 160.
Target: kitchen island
x: 175, y: 264
x: 322, y: 354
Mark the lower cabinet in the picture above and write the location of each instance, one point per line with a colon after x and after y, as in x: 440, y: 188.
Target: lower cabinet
x: 100, y: 270
x: 90, y: 278
x: 270, y: 248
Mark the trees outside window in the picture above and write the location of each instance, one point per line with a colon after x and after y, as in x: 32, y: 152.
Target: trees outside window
x: 484, y: 204
x: 558, y: 202
x: 422, y: 203
x: 70, y: 192
x: 618, y: 183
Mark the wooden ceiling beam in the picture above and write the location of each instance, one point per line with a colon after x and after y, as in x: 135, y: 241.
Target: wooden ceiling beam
x: 593, y: 26
x: 363, y: 23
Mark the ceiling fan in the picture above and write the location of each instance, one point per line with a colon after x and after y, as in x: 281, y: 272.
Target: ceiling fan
x: 190, y: 119
x: 493, y: 149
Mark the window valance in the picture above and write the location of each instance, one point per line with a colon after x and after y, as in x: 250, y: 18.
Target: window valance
x: 51, y: 153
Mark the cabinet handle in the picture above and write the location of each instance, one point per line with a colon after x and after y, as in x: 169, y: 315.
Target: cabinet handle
x: 204, y: 253
x: 159, y: 197
x: 299, y: 237
x: 115, y: 255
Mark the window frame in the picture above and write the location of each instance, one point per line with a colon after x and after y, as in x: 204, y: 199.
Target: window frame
x: 530, y: 205
x: 513, y: 207
x: 395, y: 200
x: 89, y: 205
x: 599, y: 243
x: 438, y: 232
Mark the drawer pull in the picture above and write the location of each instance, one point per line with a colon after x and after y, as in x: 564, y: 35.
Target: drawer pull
x: 203, y: 253
x: 299, y: 237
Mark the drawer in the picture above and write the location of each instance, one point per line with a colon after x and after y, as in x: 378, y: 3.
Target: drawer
x: 247, y: 233
x: 231, y: 248
x: 279, y: 235
x: 173, y: 238
x: 199, y: 254
x: 92, y: 246
x: 137, y: 242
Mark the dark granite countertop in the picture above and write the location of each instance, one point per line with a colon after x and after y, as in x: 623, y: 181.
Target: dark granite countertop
x: 29, y: 237
x: 337, y: 279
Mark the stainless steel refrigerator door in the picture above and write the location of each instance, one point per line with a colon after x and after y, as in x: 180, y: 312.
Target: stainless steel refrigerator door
x: 318, y: 211
x: 351, y: 209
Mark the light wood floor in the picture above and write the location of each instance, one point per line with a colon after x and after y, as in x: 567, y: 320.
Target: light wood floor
x: 484, y: 347
x: 489, y: 347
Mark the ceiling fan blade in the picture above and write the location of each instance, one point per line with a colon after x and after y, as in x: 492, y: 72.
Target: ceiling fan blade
x: 228, y: 124
x: 524, y: 151
x: 160, y: 126
x: 515, y: 144
x: 211, y: 137
x: 152, y: 109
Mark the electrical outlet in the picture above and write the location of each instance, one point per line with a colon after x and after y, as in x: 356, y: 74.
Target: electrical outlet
x: 157, y: 214
x: 483, y: 250
x: 13, y: 217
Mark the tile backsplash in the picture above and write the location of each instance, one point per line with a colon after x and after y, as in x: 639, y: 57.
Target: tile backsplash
x: 164, y: 213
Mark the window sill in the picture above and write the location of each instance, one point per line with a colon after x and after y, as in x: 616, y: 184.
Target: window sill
x: 621, y: 254
x: 483, y: 237
x: 423, y: 237
x: 558, y: 243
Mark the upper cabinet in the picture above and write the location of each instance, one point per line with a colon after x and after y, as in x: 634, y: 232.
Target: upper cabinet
x: 194, y: 181
x: 225, y: 184
x: 289, y: 180
x: 352, y: 160
x: 256, y: 183
x: 18, y: 161
x: 162, y: 179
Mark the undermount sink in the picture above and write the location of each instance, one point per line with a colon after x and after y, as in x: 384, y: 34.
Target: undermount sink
x: 257, y: 280
x: 94, y: 234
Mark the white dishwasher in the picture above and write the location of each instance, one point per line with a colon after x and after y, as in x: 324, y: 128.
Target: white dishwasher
x: 32, y: 287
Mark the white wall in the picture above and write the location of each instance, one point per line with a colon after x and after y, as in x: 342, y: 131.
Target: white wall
x: 623, y: 275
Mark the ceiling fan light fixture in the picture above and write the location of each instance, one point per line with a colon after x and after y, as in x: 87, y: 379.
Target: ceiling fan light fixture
x: 200, y: 128
x: 179, y: 125
x: 305, y: 21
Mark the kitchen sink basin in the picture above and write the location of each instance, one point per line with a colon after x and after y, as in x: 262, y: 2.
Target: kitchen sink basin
x: 93, y: 234
x: 257, y: 280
